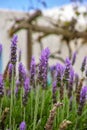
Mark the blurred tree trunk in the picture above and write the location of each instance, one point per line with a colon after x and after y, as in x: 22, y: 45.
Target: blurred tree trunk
x: 29, y: 47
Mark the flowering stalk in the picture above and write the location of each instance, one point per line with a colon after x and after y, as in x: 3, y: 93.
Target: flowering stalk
x: 49, y: 123
x: 32, y: 72
x: 67, y: 69
x: 3, y: 118
x: 43, y: 66
x: 59, y: 73
x: 22, y: 73
x: 13, y: 52
x: 54, y: 87
x: 79, y: 90
x: 61, y: 91
x: 10, y: 67
x: 36, y: 107
x: 82, y: 99
x: 12, y: 99
x: 26, y: 91
x: 70, y: 83
x: 64, y: 124
x: 1, y: 87
x: 22, y: 126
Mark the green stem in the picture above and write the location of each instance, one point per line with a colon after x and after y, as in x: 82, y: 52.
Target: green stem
x: 43, y: 102
x: 0, y: 107
x: 31, y: 104
x: 24, y: 113
x: 21, y: 101
x: 12, y: 98
x: 36, y: 107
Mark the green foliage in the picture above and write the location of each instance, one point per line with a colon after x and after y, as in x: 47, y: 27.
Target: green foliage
x: 37, y: 112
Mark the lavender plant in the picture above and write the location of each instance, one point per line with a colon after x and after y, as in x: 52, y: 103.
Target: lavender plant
x: 25, y: 108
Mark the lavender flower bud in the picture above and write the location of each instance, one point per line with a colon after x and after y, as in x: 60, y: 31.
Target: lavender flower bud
x: 1, y: 86
x: 61, y: 91
x: 83, y: 64
x: 83, y: 95
x: 26, y: 91
x: 27, y: 85
x: 59, y: 73
x: 13, y: 52
x: 22, y: 126
x: 10, y: 67
x: 74, y: 58
x: 67, y: 69
x: 22, y: 73
x: 43, y: 66
x: 54, y: 92
x: 70, y: 83
x: 32, y: 72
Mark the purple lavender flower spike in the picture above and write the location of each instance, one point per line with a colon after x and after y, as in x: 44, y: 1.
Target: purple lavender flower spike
x: 26, y: 91
x: 59, y: 73
x: 13, y: 52
x: 43, y: 66
x: 32, y: 72
x: 10, y: 67
x: 22, y: 73
x: 54, y: 92
x: 83, y: 95
x: 67, y: 69
x: 27, y: 85
x: 74, y: 58
x: 83, y: 64
x: 1, y: 86
x: 22, y: 126
x: 70, y: 83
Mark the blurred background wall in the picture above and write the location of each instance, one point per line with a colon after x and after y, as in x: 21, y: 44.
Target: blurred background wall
x: 7, y: 19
